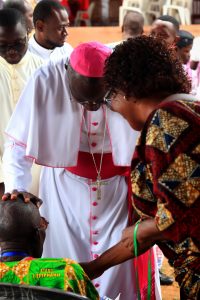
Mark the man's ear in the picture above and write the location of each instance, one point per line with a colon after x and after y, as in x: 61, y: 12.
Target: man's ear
x: 36, y: 244
x: 39, y: 25
x: 177, y: 38
x: 38, y: 238
x: 174, y: 45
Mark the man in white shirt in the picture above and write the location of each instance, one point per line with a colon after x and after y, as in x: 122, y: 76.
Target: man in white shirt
x: 17, y: 64
x: 51, y: 21
x: 132, y: 26
x: 88, y: 148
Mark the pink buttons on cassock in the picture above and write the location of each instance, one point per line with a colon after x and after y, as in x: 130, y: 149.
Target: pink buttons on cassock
x: 94, y: 217
x: 95, y: 255
x: 95, y: 123
x: 93, y: 144
x: 95, y: 243
x: 94, y: 189
x: 97, y: 285
x: 94, y: 203
x: 95, y: 232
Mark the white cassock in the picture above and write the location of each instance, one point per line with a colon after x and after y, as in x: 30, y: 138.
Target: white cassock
x: 53, y: 55
x: 52, y: 131
x: 13, y: 78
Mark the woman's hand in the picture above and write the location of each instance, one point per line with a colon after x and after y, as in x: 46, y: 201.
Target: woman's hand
x: 27, y: 197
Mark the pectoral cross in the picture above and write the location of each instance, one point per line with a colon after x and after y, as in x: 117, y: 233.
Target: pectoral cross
x: 98, y: 184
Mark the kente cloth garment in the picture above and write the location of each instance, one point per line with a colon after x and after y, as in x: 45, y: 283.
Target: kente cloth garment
x: 166, y: 185
x: 64, y: 274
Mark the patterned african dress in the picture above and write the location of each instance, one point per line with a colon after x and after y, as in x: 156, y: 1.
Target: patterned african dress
x: 166, y: 186
x: 64, y: 274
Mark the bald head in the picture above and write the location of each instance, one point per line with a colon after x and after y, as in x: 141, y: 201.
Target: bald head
x: 25, y: 8
x: 133, y: 24
x: 166, y: 28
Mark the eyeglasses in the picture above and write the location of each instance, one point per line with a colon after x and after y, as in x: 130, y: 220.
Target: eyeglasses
x: 18, y: 46
x: 99, y: 102
x: 105, y: 101
x: 108, y: 98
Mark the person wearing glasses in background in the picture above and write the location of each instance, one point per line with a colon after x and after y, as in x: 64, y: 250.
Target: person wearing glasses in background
x: 17, y: 64
x: 62, y: 122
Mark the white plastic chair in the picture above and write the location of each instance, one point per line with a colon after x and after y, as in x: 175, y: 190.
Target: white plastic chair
x: 131, y: 5
x: 84, y: 15
x: 153, y: 10
x: 180, y: 8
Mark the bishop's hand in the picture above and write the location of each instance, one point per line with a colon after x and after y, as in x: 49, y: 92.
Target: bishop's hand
x: 27, y: 197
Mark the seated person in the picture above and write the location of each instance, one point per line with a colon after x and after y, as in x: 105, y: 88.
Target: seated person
x: 132, y: 26
x: 184, y: 46
x: 22, y: 234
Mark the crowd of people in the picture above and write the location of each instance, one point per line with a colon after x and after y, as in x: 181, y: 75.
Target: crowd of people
x: 103, y: 142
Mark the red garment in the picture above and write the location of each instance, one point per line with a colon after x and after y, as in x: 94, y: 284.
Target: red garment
x: 86, y: 168
x: 75, y: 5
x: 84, y: 4
x: 166, y: 185
x: 65, y: 4
x: 141, y: 264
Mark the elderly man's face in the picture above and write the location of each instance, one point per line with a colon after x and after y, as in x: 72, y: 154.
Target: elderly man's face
x: 87, y: 91
x: 13, y: 43
x: 165, y: 31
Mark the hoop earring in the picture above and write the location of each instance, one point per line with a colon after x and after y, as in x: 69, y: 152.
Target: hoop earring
x: 124, y: 97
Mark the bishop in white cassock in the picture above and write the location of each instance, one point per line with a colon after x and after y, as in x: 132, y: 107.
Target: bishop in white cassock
x: 87, y: 149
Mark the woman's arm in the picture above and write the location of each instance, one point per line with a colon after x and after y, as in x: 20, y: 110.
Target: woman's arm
x: 147, y: 235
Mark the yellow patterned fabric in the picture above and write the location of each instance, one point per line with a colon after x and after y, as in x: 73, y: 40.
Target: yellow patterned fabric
x: 166, y: 186
x: 164, y: 130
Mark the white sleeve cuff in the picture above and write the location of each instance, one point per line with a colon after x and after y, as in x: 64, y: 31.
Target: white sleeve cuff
x: 16, y: 167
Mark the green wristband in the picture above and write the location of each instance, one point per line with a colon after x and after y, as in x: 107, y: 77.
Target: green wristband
x: 136, y: 254
x: 135, y: 243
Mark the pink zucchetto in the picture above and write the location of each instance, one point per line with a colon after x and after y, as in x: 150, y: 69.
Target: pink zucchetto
x: 88, y: 59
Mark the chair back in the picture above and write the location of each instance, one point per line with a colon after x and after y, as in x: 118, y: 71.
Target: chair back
x: 182, y: 3
x: 153, y: 11
x: 90, y: 9
x: 180, y: 9
x: 26, y: 292
x: 84, y: 15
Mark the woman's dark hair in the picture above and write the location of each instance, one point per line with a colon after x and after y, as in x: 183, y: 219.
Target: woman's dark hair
x: 144, y: 67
